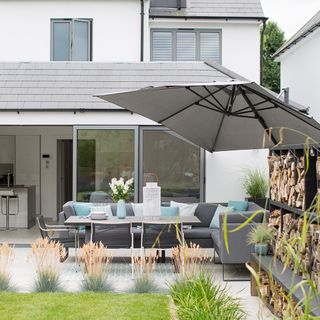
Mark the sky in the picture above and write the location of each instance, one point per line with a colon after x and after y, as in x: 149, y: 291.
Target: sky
x: 290, y: 15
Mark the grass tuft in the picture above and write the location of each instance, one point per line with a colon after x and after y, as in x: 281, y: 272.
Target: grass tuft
x: 144, y: 283
x: 197, y: 297
x: 96, y: 283
x: 47, y: 281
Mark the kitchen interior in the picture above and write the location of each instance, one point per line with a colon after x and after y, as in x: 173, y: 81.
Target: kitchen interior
x: 35, y: 178
x: 19, y: 181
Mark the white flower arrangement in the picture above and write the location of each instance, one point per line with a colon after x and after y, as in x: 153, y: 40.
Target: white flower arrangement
x: 121, y: 189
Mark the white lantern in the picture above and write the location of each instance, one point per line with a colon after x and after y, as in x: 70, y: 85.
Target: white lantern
x: 151, y: 199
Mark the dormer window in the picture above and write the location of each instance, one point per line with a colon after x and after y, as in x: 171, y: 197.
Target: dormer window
x: 71, y: 40
x: 185, y: 45
x: 178, y: 4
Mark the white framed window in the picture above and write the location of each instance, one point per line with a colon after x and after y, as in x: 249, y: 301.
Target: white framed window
x: 185, y: 45
x: 71, y: 40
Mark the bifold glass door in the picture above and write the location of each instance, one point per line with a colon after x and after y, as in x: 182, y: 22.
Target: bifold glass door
x: 102, y: 153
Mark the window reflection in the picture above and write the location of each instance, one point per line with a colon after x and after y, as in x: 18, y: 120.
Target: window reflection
x: 103, y: 155
x: 174, y: 163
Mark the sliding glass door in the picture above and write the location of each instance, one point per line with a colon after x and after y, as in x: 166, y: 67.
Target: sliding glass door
x: 102, y: 154
x: 176, y: 164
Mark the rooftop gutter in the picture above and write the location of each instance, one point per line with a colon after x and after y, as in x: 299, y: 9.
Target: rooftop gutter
x: 207, y: 17
x: 79, y: 110
x: 289, y: 44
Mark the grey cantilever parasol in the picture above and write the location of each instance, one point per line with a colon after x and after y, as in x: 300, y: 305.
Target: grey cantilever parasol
x: 220, y: 116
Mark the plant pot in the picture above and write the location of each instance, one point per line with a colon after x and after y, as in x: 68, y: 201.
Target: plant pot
x: 261, y: 202
x: 121, y: 209
x: 261, y: 249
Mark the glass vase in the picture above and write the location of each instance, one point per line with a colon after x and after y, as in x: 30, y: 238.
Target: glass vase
x: 121, y: 209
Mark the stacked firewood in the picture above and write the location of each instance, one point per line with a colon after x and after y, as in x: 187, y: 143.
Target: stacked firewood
x: 315, y: 266
x: 282, y: 304
x: 287, y: 176
x: 292, y: 230
x: 275, y: 219
x: 264, y: 287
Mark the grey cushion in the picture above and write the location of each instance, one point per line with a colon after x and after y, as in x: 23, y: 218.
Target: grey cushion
x: 129, y: 209
x: 198, y: 233
x: 68, y: 209
x: 205, y: 212
x: 240, y: 217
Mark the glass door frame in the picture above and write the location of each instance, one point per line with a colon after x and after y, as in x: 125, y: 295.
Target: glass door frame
x: 111, y: 127
x: 162, y: 128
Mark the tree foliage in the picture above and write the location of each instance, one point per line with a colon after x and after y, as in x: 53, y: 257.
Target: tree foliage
x: 273, y: 40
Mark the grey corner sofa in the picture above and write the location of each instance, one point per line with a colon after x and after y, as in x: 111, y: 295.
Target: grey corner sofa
x: 239, y: 249
x: 200, y: 233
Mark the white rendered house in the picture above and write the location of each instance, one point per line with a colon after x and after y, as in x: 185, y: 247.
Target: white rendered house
x: 69, y: 143
x: 300, y: 65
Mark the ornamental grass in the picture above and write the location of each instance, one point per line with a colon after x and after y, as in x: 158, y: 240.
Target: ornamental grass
x: 46, y: 256
x: 95, y: 270
x: 6, y: 259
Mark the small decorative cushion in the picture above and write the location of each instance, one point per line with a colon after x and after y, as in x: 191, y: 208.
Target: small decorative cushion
x: 169, y: 211
x: 215, y: 220
x: 82, y: 208
x: 185, y: 209
x: 137, y: 209
x: 239, y: 205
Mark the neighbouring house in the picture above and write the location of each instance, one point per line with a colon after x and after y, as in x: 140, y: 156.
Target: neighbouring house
x: 57, y: 55
x: 300, y: 65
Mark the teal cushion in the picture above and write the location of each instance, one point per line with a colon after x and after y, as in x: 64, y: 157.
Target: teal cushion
x: 169, y: 211
x: 82, y: 208
x: 215, y: 220
x: 239, y: 205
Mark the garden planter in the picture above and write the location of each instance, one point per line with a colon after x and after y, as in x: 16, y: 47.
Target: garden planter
x: 261, y: 249
x: 261, y: 202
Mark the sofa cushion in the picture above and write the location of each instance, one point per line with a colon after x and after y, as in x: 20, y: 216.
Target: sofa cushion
x: 240, y: 217
x: 68, y: 209
x: 238, y: 205
x: 137, y: 209
x: 169, y: 211
x: 129, y: 210
x: 185, y: 209
x: 205, y: 212
x: 220, y: 210
x: 198, y: 233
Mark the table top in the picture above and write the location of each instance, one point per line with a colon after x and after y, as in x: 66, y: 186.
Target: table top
x: 79, y: 220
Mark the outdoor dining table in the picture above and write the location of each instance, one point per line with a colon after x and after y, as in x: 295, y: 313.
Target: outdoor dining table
x: 90, y: 224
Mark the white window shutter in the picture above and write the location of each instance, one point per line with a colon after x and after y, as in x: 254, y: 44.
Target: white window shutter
x: 210, y: 46
x: 162, y: 46
x: 186, y: 46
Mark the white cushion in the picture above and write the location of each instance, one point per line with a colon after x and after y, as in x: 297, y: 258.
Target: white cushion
x: 98, y: 208
x: 185, y: 209
x: 137, y: 209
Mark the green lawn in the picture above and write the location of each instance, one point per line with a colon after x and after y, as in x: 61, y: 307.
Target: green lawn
x: 87, y: 306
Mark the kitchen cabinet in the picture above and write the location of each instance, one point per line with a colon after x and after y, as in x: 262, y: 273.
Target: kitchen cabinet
x: 7, y: 149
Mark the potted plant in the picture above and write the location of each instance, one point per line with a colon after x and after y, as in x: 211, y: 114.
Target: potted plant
x: 256, y: 186
x: 262, y: 237
x: 121, y: 191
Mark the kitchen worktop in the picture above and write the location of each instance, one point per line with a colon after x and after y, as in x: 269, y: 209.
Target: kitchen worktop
x: 23, y: 206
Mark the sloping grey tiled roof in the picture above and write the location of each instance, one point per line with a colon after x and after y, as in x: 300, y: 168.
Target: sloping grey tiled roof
x: 312, y: 25
x: 214, y: 8
x: 72, y: 85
